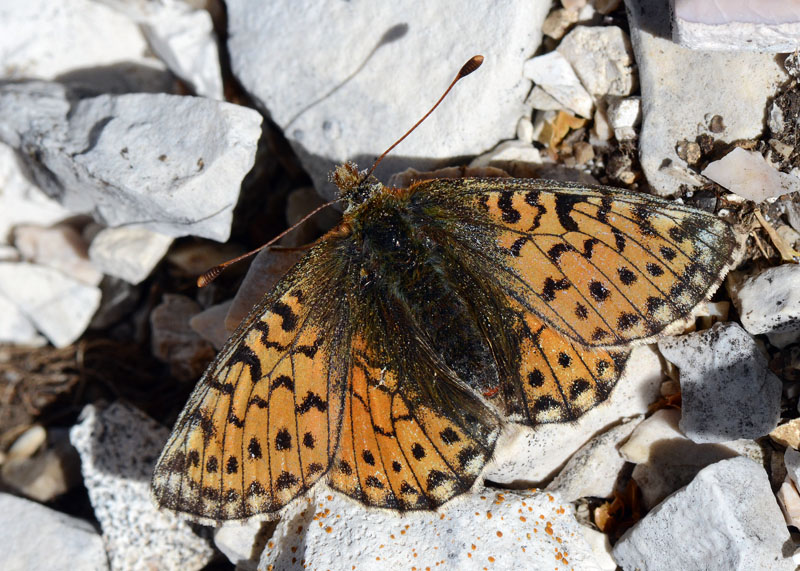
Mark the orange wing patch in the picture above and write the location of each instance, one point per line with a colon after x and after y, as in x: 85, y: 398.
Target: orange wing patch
x: 606, y: 268
x: 261, y: 426
x: 558, y: 380
x: 395, y: 452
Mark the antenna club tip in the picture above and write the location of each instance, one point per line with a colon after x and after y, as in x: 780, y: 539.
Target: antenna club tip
x: 473, y: 64
x: 209, y: 276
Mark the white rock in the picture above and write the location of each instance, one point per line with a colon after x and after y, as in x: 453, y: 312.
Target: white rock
x: 602, y: 58
x: 666, y: 460
x: 531, y: 457
x: 735, y: 86
x: 769, y: 302
x: 748, y: 174
x: 715, y: 523
x: 660, y: 426
x: 210, y: 324
x: 601, y: 547
x: 59, y: 306
x: 242, y: 543
x: 728, y: 392
x: 128, y: 252
x: 46, y: 39
x: 525, y: 129
x: 182, y: 37
x: 601, y: 131
x: 624, y: 115
x: 60, y: 247
x: 594, y: 469
x: 118, y: 448
x: 36, y: 537
x: 16, y: 327
x: 27, y: 443
x: 338, y: 100
x: 45, y: 473
x: 737, y: 25
x: 513, y: 151
x: 484, y: 529
x: 540, y: 99
x: 22, y: 202
x: 553, y: 73
x: 130, y: 158
x: 791, y: 459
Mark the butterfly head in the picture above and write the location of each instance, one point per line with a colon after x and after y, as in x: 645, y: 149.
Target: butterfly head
x: 355, y: 187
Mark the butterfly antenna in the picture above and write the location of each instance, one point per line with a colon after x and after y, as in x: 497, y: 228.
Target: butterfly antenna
x: 473, y: 64
x: 212, y: 274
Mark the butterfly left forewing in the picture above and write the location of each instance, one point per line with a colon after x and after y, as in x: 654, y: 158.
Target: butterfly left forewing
x: 263, y: 422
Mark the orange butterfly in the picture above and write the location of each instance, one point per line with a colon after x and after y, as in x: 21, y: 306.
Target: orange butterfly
x: 387, y: 360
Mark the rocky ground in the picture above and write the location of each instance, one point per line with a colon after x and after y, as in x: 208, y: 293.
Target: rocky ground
x: 143, y: 142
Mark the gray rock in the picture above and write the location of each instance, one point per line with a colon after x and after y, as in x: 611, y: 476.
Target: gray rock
x: 131, y: 158
x: 242, y: 543
x: 666, y: 460
x: 128, y: 252
x: 553, y: 73
x: 602, y: 58
x: 59, y: 306
x: 60, y: 247
x: 183, y: 37
x: 118, y: 448
x: 64, y: 39
x: 15, y: 327
x: 681, y: 88
x: 175, y: 342
x: 769, y: 302
x: 36, y: 537
x: 594, y: 469
x: 737, y: 26
x: 748, y: 174
x: 535, y: 531
x: 22, y: 202
x: 726, y: 518
x: 728, y: 392
x: 338, y: 100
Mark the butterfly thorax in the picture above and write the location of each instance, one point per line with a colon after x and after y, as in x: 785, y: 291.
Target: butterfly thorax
x: 406, y: 274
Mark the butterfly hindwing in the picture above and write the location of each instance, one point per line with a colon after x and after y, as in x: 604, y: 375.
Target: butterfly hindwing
x: 396, y: 449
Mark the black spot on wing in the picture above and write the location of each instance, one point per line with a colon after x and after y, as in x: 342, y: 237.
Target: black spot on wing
x: 564, y: 205
x: 288, y: 317
x: 246, y: 355
x: 506, y: 206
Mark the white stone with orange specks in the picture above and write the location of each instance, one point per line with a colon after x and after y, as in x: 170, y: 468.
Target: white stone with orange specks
x: 529, y: 530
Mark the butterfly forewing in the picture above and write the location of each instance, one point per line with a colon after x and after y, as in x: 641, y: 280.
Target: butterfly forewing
x: 603, y: 267
x: 262, y: 424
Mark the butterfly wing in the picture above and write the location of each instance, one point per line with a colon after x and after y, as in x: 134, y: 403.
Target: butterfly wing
x: 602, y: 266
x: 262, y: 424
x: 398, y: 449
x: 577, y: 273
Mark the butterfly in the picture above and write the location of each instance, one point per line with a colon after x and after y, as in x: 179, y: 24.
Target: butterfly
x: 386, y: 362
